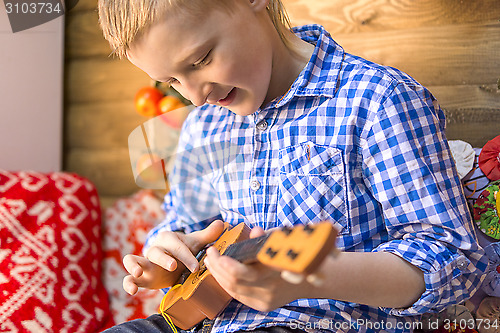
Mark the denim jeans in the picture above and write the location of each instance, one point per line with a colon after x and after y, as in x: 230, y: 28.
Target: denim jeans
x: 157, y: 324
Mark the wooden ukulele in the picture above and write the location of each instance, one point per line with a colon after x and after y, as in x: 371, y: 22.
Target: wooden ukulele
x: 298, y: 250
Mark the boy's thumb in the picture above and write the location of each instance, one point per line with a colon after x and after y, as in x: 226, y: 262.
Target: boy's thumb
x: 210, y: 233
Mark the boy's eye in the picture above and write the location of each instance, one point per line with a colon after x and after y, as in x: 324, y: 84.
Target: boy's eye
x: 204, y: 61
x: 171, y: 81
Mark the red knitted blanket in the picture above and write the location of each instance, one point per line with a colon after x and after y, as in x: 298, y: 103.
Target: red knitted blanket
x: 50, y: 254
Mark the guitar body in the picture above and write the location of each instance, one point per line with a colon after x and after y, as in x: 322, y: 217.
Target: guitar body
x: 298, y: 250
x: 200, y: 296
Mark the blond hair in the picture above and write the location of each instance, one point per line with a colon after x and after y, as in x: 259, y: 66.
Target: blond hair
x: 122, y: 21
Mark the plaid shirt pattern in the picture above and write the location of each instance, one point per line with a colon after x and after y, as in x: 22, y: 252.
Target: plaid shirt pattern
x: 352, y: 142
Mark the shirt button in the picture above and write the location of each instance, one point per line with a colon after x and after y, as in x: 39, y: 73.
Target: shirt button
x: 254, y: 185
x: 461, y: 264
x: 262, y: 125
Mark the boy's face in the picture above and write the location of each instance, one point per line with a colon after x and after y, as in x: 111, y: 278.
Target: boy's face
x: 220, y: 58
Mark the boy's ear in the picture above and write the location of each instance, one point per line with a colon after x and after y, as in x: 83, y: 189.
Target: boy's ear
x: 258, y: 5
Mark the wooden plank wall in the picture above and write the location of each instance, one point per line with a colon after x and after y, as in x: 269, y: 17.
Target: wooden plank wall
x: 451, y: 46
x: 99, y: 109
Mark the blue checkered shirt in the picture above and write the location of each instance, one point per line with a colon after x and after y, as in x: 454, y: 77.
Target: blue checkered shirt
x: 352, y: 142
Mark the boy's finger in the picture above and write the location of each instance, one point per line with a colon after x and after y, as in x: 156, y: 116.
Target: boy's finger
x: 129, y: 286
x: 166, y: 258
x: 229, y: 275
x: 249, y: 275
x: 256, y: 232
x: 209, y: 234
x: 213, y: 264
x: 132, y: 265
x: 227, y: 266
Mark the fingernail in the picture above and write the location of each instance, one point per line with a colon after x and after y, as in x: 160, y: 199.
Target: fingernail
x: 171, y: 266
x: 211, y: 249
x: 193, y: 267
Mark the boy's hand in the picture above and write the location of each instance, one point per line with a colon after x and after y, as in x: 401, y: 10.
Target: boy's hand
x: 254, y: 285
x: 165, y: 260
x: 144, y: 273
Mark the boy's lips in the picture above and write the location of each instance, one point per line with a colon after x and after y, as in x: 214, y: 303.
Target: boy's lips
x: 228, y: 99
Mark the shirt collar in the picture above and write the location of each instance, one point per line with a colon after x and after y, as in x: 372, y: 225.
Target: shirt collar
x: 320, y: 75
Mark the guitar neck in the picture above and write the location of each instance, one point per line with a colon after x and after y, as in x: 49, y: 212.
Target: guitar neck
x: 246, y: 251
x: 299, y: 249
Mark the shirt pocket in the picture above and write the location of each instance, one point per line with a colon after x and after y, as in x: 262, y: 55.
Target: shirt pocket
x: 312, y: 186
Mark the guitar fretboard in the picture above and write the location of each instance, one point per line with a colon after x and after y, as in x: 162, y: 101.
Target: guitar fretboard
x: 246, y: 251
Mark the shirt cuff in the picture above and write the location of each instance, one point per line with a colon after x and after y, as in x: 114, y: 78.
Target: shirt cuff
x: 450, y: 277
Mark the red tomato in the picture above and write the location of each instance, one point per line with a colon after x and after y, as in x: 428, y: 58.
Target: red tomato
x: 172, y: 111
x: 146, y: 101
x: 169, y: 103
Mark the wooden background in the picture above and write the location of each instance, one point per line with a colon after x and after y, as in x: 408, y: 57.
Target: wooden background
x: 450, y: 46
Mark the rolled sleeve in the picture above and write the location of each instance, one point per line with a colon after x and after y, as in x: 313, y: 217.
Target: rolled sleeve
x: 411, y: 173
x: 450, y: 278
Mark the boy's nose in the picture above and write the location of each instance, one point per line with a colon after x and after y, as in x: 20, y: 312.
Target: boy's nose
x: 196, y: 91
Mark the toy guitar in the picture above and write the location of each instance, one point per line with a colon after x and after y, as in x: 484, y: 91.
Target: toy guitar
x: 299, y: 250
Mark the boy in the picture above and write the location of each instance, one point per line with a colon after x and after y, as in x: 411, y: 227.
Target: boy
x: 322, y: 135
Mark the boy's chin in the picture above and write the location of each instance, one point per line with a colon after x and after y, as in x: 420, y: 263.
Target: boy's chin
x: 239, y: 109
x: 242, y: 112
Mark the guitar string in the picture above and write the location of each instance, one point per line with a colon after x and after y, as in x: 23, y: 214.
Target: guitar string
x: 246, y: 249
x: 240, y: 251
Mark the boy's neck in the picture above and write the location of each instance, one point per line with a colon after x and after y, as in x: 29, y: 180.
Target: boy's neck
x: 288, y: 63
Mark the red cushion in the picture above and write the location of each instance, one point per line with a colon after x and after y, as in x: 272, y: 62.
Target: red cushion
x: 127, y: 222
x: 50, y: 254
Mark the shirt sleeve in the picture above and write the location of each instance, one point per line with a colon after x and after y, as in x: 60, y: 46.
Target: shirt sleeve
x: 408, y: 166
x: 192, y: 202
